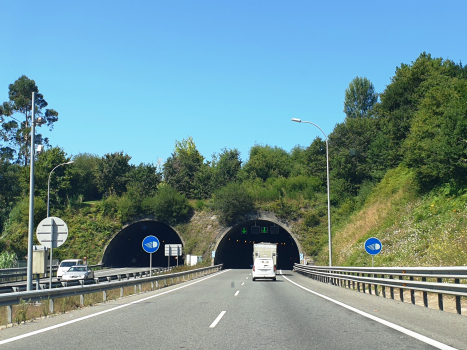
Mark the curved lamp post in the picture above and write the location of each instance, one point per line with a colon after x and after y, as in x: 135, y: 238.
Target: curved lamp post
x: 48, y: 184
x: 327, y: 171
x: 48, y: 197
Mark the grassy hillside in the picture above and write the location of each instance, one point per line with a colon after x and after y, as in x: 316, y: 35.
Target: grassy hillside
x: 415, y: 231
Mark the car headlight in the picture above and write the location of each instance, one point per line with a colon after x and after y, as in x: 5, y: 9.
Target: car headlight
x: 82, y: 276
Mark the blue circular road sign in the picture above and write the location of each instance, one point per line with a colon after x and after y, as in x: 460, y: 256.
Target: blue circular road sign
x: 373, y: 246
x: 150, y: 244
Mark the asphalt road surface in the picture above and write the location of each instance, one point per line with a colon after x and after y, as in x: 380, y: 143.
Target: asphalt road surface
x: 228, y: 310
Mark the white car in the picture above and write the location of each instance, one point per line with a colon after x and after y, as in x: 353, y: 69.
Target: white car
x: 263, y: 268
x: 65, y: 266
x: 78, y: 272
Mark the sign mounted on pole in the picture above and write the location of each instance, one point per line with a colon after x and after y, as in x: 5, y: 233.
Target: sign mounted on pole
x: 150, y: 244
x: 373, y: 246
x: 52, y: 232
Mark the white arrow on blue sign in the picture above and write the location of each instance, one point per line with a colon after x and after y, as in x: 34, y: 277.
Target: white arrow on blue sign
x: 301, y: 256
x: 213, y: 254
x: 150, y: 244
x: 373, y: 246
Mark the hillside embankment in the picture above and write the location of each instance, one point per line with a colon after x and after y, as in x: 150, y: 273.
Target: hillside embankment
x: 429, y: 230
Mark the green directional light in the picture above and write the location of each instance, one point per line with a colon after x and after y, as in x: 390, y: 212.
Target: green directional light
x: 264, y: 230
x: 244, y: 230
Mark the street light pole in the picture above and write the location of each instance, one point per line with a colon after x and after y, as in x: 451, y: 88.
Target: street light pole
x: 31, y: 195
x: 51, y: 241
x: 48, y: 184
x: 327, y: 174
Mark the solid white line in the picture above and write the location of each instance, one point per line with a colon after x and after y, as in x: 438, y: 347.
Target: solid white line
x: 236, y: 293
x: 104, y: 312
x: 401, y: 329
x: 216, y: 321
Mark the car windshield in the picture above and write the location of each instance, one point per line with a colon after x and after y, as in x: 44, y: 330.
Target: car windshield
x: 77, y: 268
x: 67, y: 263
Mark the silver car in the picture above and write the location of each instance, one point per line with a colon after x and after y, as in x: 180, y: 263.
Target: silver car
x: 78, y: 272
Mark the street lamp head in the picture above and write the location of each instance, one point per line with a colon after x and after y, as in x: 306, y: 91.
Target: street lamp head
x: 296, y: 120
x: 70, y: 162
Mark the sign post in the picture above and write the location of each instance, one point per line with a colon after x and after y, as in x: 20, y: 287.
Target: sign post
x: 150, y: 245
x: 172, y: 250
x: 52, y: 232
x: 373, y: 247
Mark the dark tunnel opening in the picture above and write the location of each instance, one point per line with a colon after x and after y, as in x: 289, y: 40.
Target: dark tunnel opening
x: 235, y: 250
x: 126, y: 250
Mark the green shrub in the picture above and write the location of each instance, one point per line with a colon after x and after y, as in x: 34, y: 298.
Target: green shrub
x: 167, y: 205
x: 232, y: 203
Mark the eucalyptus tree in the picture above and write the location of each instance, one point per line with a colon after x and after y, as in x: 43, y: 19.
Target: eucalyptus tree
x: 16, y: 132
x: 360, y: 98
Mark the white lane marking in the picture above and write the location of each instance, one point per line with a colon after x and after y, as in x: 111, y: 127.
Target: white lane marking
x: 216, y: 321
x: 401, y: 329
x: 243, y: 283
x: 103, y: 312
x: 236, y: 293
x: 246, y: 278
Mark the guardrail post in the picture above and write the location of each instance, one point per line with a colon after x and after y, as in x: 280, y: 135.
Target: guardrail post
x: 9, y: 314
x: 458, y: 299
x: 376, y: 286
x: 440, y: 297
x: 412, y: 293
x: 401, y: 290
x: 425, y: 294
x: 391, y: 289
x: 51, y: 306
x: 358, y: 283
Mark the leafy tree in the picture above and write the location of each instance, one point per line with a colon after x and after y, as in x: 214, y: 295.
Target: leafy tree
x: 84, y: 174
x: 167, y: 205
x: 315, y: 159
x: 60, y: 181
x: 17, y: 135
x: 113, y: 170
x: 143, y: 181
x: 10, y: 188
x: 360, y: 97
x: 180, y: 169
x: 436, y: 147
x: 267, y: 161
x: 232, y: 203
x: 8, y: 260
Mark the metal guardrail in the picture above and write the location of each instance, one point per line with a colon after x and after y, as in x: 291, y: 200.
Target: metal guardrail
x: 438, y: 280
x: 81, y: 289
x: 8, y: 274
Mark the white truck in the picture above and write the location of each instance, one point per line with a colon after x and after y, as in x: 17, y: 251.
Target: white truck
x: 265, y: 250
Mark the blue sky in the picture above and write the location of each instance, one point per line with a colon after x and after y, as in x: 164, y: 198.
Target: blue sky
x: 137, y: 76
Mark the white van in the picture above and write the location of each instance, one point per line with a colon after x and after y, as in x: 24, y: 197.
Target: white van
x: 263, y: 268
x: 65, y: 266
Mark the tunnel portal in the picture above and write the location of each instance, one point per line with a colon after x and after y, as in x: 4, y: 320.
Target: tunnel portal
x: 236, y: 248
x: 126, y: 250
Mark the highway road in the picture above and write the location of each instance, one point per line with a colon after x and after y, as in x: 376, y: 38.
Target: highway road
x: 228, y: 310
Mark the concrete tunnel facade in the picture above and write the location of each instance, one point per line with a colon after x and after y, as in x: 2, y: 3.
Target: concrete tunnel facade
x: 125, y: 249
x: 234, y: 247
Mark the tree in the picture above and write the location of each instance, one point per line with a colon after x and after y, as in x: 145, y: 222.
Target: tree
x: 167, y: 205
x: 143, y: 181
x: 267, y: 161
x: 113, y: 169
x: 232, y: 203
x: 84, y: 175
x: 360, y: 98
x: 181, y: 168
x: 10, y: 189
x: 17, y: 134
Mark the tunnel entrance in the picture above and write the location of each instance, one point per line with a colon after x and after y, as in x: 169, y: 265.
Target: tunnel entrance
x: 235, y: 250
x: 126, y: 250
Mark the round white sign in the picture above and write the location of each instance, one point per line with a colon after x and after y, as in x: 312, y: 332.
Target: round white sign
x: 52, y: 232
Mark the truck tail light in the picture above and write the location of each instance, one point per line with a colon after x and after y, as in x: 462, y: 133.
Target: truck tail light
x: 253, y: 268
x: 274, y: 268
